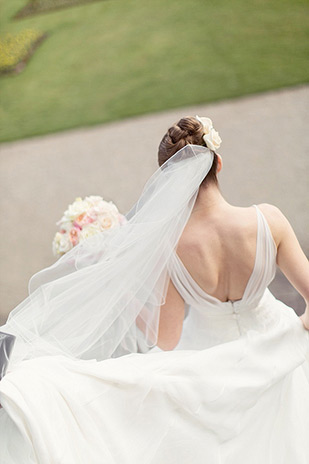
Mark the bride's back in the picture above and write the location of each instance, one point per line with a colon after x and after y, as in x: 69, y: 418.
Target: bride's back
x: 218, y: 248
x: 218, y: 244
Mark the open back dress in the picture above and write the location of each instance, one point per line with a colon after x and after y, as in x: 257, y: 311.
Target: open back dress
x: 235, y: 390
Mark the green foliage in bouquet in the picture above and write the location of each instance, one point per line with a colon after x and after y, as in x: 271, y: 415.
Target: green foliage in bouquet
x: 16, y: 49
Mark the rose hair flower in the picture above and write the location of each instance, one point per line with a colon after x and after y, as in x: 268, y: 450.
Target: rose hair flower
x: 211, y: 136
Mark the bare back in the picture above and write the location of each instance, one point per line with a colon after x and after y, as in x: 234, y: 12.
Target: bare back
x: 219, y: 248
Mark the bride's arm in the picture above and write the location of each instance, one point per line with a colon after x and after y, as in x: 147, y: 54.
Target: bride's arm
x: 172, y: 314
x: 171, y: 319
x: 290, y: 257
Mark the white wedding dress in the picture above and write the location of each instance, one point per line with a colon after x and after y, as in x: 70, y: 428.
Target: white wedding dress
x: 235, y: 390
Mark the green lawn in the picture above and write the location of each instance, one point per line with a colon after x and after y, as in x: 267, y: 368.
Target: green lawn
x: 114, y: 59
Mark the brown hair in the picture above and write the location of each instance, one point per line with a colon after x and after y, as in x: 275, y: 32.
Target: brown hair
x: 186, y: 130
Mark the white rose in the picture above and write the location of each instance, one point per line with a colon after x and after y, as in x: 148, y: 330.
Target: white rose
x: 108, y: 221
x: 109, y: 207
x: 207, y: 123
x: 104, y: 208
x: 75, y: 209
x: 65, y: 244
x: 93, y: 199
x: 212, y: 140
x: 56, y: 243
x: 61, y: 244
x: 66, y: 225
x: 113, y: 207
x: 89, y: 230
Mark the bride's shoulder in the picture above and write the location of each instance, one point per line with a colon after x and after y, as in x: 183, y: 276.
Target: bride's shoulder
x: 270, y: 209
x: 272, y: 212
x: 277, y: 221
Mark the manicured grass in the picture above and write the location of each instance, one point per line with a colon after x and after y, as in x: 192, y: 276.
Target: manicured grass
x: 114, y: 59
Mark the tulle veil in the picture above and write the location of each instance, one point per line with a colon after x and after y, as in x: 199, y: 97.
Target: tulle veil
x: 102, y: 299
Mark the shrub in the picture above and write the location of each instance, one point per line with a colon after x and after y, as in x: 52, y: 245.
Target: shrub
x: 41, y: 6
x: 15, y: 50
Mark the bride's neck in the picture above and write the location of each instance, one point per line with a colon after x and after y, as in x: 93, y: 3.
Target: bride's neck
x: 209, y: 199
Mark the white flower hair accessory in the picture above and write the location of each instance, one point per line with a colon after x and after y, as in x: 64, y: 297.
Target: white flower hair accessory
x: 211, y: 137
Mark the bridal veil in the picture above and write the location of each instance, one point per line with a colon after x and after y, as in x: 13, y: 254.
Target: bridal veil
x: 102, y: 299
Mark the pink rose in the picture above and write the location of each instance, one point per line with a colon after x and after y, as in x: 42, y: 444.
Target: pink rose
x: 74, y: 235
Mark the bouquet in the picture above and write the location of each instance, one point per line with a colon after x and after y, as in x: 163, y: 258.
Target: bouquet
x: 83, y: 218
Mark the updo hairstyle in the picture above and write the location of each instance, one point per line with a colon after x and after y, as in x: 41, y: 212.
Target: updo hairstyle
x: 186, y: 130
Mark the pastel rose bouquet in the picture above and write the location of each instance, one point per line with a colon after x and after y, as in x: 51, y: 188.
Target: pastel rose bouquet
x: 84, y: 218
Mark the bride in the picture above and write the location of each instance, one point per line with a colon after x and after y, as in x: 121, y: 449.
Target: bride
x: 160, y: 342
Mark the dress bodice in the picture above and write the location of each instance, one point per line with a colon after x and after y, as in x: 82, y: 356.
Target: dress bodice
x: 209, y: 320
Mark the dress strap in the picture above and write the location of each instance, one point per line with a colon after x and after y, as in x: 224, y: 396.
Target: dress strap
x: 266, y: 232
x: 265, y: 265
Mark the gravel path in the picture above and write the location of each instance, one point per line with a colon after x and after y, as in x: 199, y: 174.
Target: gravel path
x: 265, y: 154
